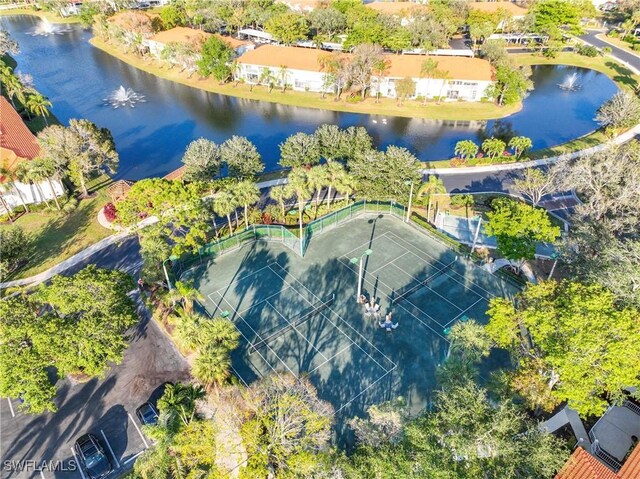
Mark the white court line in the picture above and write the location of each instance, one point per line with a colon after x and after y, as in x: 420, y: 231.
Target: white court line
x: 345, y: 322
x: 253, y: 305
x: 109, y: 446
x: 365, y: 389
x: 295, y: 329
x: 237, y: 280
x: 412, y: 247
x: 139, y: 432
x: 78, y: 464
x: 359, y: 248
x: 133, y: 457
x: 438, y: 274
x: 256, y: 350
x: 248, y: 342
x: 481, y: 299
x: 332, y: 357
x: 389, y: 263
x: 13, y: 414
x: 239, y: 377
x: 41, y: 473
x: 379, y: 281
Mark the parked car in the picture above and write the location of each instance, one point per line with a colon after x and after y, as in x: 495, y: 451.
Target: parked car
x: 147, y: 414
x: 92, y: 457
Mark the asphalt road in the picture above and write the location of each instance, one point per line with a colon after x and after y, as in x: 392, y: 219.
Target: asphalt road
x: 590, y: 37
x: 40, y: 446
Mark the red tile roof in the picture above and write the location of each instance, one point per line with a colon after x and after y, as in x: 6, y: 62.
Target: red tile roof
x: 17, y: 143
x: 582, y: 465
x: 631, y: 467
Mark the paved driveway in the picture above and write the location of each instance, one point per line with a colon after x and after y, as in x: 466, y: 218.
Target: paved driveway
x: 40, y: 446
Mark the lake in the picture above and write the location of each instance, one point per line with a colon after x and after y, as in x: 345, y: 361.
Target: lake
x: 152, y: 136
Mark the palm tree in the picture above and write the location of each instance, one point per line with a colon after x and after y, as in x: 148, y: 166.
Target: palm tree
x: 246, y: 193
x: 224, y: 204
x: 212, y: 365
x: 298, y: 185
x: 317, y: 178
x: 187, y: 329
x: 14, y: 88
x: 428, y: 70
x: 26, y: 175
x: 283, y: 73
x: 266, y: 78
x: 493, y: 147
x: 335, y: 175
x: 44, y: 170
x: 466, y: 149
x: 520, y: 144
x: 346, y: 185
x: 445, y: 77
x: 185, y: 294
x: 39, y: 105
x: 280, y: 194
x: 178, y: 403
x: 433, y: 186
x: 5, y: 205
x: 10, y: 175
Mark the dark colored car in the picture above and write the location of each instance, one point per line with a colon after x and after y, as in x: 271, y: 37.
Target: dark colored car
x: 92, y: 457
x: 147, y: 414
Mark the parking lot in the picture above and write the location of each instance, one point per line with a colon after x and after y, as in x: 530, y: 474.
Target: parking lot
x: 41, y: 447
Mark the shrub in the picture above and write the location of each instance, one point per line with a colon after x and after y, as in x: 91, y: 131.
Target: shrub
x: 110, y: 212
x: 456, y: 162
x: 636, y: 47
x: 588, y: 51
x: 14, y: 250
x: 70, y: 205
x: 613, y: 34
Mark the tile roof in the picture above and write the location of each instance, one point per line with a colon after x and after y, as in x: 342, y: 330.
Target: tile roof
x: 459, y: 68
x: 582, y: 465
x: 631, y: 467
x: 180, y: 34
x: 491, y: 7
x: 14, y: 134
x: 394, y: 8
x: 176, y: 174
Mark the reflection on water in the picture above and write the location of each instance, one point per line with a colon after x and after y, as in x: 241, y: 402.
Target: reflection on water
x: 152, y: 137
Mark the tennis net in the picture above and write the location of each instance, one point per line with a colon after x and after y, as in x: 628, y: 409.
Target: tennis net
x: 441, y: 272
x: 275, y: 333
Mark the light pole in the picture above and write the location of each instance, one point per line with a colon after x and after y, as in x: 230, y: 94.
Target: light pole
x: 554, y: 257
x: 409, y: 182
x: 355, y: 261
x: 475, y: 235
x: 166, y: 273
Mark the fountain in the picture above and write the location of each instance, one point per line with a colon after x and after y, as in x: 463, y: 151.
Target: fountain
x: 570, y: 83
x: 124, y: 97
x: 46, y: 28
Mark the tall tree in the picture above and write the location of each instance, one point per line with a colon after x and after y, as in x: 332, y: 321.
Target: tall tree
x: 318, y: 178
x: 535, y: 183
x: 280, y: 194
x: 572, y: 340
x: 518, y: 227
x: 202, y: 159
x: 493, y: 147
x: 330, y: 138
x: 428, y: 70
x: 520, y: 144
x: 300, y: 150
x: 241, y: 157
x: 405, y: 88
x: 15, y: 249
x: 298, y: 185
x: 11, y: 178
x: 215, y: 59
x: 39, y: 105
x: 287, y: 27
x: 247, y: 193
x: 224, y: 204
x: 85, y: 148
x: 41, y: 170
x: 621, y: 111
x: 466, y: 149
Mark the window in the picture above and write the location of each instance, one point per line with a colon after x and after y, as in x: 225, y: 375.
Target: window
x: 453, y: 94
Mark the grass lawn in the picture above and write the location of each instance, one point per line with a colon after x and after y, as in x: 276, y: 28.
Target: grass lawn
x: 59, y: 235
x: 51, y: 16
x: 620, y: 74
x: 386, y: 106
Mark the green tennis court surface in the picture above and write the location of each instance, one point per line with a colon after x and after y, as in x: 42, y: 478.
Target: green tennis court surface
x: 300, y: 315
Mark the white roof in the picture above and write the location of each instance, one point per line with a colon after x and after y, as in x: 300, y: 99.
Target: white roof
x: 252, y: 32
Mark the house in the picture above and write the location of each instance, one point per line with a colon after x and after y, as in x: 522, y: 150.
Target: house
x: 466, y: 78
x: 17, y: 145
x: 510, y: 10
x: 301, y: 6
x: 158, y: 41
x: 402, y: 10
x: 612, y: 450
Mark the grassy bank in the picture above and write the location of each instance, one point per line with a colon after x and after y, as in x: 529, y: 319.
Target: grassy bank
x: 50, y: 16
x: 620, y: 74
x: 58, y: 235
x: 386, y: 106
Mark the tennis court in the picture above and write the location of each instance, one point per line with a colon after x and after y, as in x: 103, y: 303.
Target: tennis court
x: 300, y: 315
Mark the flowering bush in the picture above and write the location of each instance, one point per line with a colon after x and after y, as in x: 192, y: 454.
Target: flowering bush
x: 110, y: 212
x: 456, y: 162
x: 480, y: 155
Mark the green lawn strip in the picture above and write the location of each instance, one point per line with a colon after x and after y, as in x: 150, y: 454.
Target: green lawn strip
x: 620, y: 74
x: 50, y: 16
x: 387, y: 106
x: 59, y: 235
